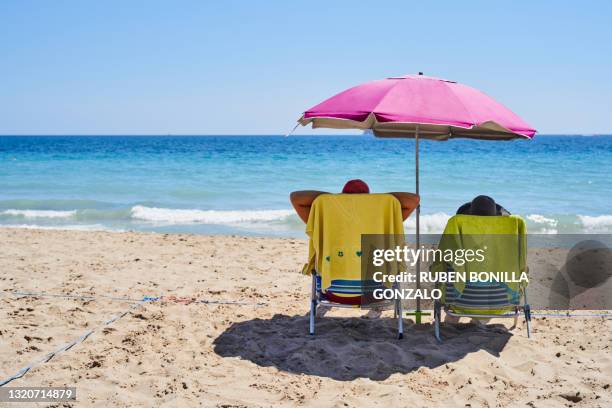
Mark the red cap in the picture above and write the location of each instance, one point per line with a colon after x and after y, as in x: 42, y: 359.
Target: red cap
x: 356, y: 187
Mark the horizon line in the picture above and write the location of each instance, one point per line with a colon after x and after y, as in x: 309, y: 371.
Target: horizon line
x: 238, y: 134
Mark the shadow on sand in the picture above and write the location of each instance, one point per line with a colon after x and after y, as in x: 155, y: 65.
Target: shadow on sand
x: 350, y: 348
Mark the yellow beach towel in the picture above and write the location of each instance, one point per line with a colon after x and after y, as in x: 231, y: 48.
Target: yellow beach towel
x: 335, y: 225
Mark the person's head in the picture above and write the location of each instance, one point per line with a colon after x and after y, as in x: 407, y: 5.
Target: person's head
x: 356, y: 187
x: 483, y: 205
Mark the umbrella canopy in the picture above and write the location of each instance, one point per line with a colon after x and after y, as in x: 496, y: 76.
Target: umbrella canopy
x: 418, y: 106
x: 441, y: 109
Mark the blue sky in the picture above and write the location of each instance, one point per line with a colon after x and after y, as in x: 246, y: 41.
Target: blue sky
x: 240, y: 67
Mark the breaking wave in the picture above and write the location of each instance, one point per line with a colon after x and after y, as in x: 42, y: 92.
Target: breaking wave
x: 191, y: 216
x: 39, y: 213
x: 273, y: 221
x: 77, y: 227
x: 540, y: 219
x: 600, y: 223
x: 429, y: 223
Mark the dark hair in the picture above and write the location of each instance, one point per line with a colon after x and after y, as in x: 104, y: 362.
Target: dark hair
x: 482, y: 205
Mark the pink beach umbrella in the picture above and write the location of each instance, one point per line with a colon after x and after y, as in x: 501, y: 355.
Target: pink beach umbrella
x: 419, y: 107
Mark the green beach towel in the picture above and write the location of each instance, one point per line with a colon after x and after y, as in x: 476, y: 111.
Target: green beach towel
x: 502, y: 242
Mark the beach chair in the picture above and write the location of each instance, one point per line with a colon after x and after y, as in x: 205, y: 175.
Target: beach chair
x: 335, y: 226
x: 503, y: 238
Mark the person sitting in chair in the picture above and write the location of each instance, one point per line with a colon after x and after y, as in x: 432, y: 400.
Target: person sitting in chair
x: 302, y: 200
x: 481, y: 205
x: 305, y: 201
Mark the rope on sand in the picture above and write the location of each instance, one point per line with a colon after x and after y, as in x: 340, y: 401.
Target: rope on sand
x: 190, y: 300
x: 78, y: 340
x: 135, y: 305
x: 80, y: 297
x: 171, y: 298
x: 572, y: 314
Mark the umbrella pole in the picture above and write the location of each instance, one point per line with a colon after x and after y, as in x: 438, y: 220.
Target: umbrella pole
x: 418, y: 224
x: 418, y: 313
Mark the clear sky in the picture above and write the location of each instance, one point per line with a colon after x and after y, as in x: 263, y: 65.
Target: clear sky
x: 252, y: 67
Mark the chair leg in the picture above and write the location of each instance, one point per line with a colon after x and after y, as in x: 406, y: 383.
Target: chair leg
x: 313, y: 305
x: 437, y: 315
x: 400, y: 321
x: 527, y: 310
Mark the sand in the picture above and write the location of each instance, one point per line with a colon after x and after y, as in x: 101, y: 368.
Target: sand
x: 175, y: 352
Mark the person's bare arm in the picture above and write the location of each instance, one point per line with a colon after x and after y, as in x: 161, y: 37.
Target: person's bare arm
x: 302, y: 201
x: 409, y: 202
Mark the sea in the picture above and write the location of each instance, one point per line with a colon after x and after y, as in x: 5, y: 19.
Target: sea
x: 240, y: 185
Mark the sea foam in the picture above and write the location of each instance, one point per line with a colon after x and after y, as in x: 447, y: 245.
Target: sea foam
x: 74, y: 227
x: 428, y: 223
x: 540, y: 219
x: 543, y: 224
x: 193, y: 216
x: 600, y: 223
x: 39, y: 213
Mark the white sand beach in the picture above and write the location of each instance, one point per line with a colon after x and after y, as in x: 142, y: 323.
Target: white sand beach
x: 176, y: 352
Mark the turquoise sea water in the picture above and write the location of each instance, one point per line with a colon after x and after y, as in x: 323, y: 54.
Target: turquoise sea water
x: 240, y: 184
